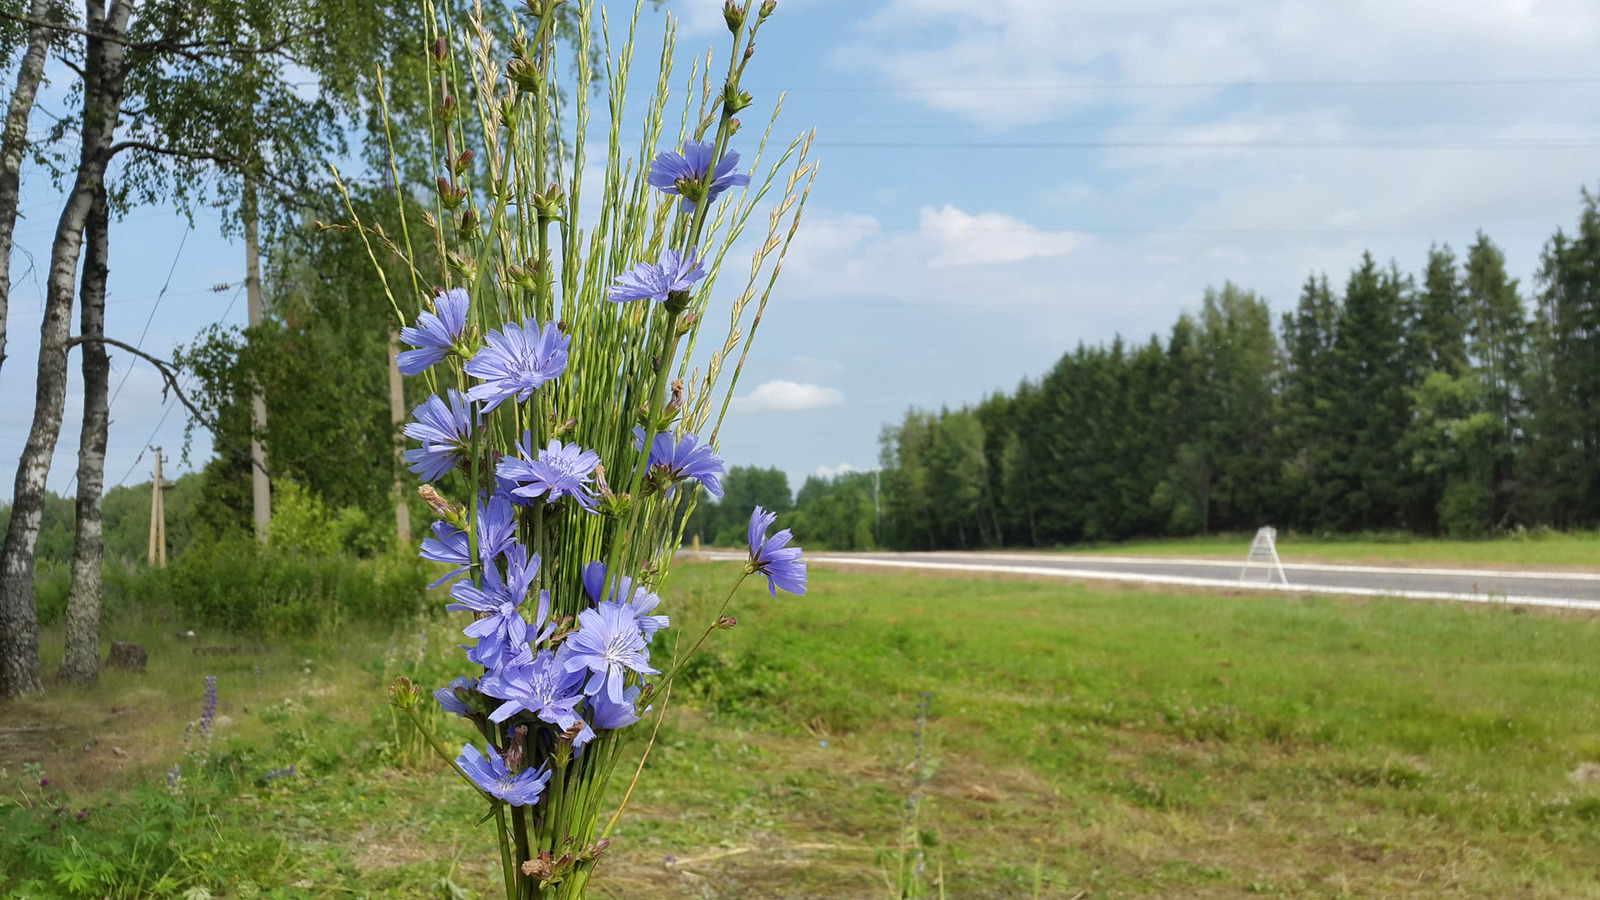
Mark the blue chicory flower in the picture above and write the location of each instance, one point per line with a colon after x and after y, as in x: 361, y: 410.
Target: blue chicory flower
x: 434, y: 335
x: 609, y: 716
x: 654, y: 281
x: 502, y: 634
x: 684, y: 459
x: 594, y: 582
x: 491, y: 774
x: 516, y: 362
x: 607, y: 643
x: 559, y: 470
x: 497, y: 528
x: 773, y: 557
x: 450, y: 701
x: 543, y: 687
x: 671, y: 170
x: 640, y: 606
x: 444, y: 430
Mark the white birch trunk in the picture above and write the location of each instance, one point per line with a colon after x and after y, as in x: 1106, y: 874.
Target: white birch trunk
x: 12, y: 146
x: 80, y: 660
x: 104, y: 75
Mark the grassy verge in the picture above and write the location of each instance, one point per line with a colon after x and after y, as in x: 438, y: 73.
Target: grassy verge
x: 1091, y: 742
x: 1542, y: 549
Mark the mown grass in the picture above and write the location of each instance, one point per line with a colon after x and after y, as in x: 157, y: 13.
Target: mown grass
x: 1530, y: 549
x: 1105, y: 742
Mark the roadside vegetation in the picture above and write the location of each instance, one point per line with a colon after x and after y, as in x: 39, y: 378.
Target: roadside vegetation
x: 1078, y: 741
x: 1539, y: 547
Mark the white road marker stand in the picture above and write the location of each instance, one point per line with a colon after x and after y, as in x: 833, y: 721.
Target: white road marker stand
x: 1264, y: 552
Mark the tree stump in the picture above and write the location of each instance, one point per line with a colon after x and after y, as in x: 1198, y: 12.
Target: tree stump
x: 128, y: 655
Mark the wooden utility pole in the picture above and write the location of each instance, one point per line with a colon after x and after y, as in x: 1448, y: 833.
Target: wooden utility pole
x: 260, y: 489
x: 397, y: 415
x: 158, y: 516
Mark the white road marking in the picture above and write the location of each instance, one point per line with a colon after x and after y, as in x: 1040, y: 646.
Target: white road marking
x: 1224, y: 583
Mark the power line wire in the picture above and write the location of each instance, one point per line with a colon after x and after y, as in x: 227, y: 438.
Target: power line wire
x: 152, y: 317
x: 1335, y: 144
x: 1184, y: 85
x: 159, y: 422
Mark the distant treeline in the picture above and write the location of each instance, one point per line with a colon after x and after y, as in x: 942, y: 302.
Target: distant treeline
x: 837, y: 513
x: 1434, y: 403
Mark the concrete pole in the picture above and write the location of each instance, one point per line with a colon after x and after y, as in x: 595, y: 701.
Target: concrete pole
x: 260, y: 489
x: 155, y: 506
x: 161, y: 514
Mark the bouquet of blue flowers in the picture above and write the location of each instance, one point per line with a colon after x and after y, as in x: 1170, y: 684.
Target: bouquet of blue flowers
x: 572, y: 422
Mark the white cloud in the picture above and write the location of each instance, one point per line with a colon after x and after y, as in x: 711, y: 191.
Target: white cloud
x: 828, y: 472
x: 1004, y: 62
x: 965, y: 239
x: 788, y: 396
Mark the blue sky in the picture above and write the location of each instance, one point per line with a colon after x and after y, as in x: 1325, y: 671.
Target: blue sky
x: 1002, y: 179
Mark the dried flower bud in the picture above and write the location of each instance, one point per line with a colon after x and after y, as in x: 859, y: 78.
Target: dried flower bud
x: 686, y: 323
x: 539, y: 868
x: 767, y: 6
x: 524, y: 73
x: 734, y: 99
x: 548, y: 202
x: 440, y: 49
x: 467, y: 266
x: 441, y: 507
x: 447, y: 108
x: 404, y: 693
x: 733, y: 14
x: 467, y: 223
x: 450, y: 196
x: 461, y: 162
x: 726, y: 623
x: 514, y: 748
x: 749, y: 50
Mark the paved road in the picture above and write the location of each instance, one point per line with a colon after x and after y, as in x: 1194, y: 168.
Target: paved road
x: 1580, y: 590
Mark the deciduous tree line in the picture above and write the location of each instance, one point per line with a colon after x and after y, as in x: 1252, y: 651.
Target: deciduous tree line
x: 1443, y: 402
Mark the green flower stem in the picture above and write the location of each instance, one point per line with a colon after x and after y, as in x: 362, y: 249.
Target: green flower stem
x: 657, y: 401
x: 507, y: 867
x: 678, y: 664
x: 519, y: 828
x: 499, y: 806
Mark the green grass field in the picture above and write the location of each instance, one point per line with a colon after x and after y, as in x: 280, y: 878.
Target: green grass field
x: 1085, y: 743
x: 1538, y: 549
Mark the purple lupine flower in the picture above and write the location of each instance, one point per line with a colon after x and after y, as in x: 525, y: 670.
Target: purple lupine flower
x: 543, y: 687
x: 444, y: 430
x: 208, y: 708
x: 502, y: 631
x: 640, y: 606
x: 516, y: 362
x: 607, y: 715
x: 491, y: 774
x: 671, y: 170
x: 559, y: 470
x: 434, y: 335
x: 497, y: 528
x: 654, y: 281
x: 451, y: 701
x: 772, y: 557
x: 174, y: 775
x: 607, y: 643
x: 684, y: 459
